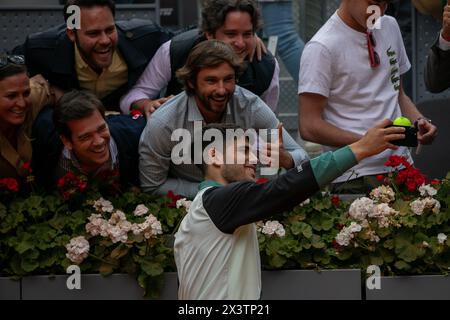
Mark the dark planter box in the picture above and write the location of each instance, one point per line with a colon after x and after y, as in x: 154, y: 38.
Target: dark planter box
x: 311, y: 285
x: 9, y: 289
x: 429, y: 287
x: 93, y: 287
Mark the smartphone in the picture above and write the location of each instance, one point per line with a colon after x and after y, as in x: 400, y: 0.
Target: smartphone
x: 410, y: 137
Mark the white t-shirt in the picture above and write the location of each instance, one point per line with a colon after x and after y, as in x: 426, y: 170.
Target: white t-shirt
x: 213, y: 265
x: 335, y: 64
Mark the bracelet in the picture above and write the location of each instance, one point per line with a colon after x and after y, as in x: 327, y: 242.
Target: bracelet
x: 416, y: 123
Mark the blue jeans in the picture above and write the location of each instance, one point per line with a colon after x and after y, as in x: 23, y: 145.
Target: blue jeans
x: 277, y: 19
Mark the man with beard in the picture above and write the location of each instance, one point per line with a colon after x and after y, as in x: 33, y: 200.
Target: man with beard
x: 216, y: 246
x: 232, y: 21
x: 103, y: 56
x: 210, y: 96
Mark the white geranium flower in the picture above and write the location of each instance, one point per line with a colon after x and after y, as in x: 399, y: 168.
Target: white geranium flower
x: 117, y: 234
x: 427, y: 190
x: 116, y: 217
x: 432, y: 204
x: 373, y: 236
x: 361, y: 208
x: 305, y: 203
x: 344, y: 237
x: 383, y: 194
x: 273, y: 227
x: 102, y: 205
x: 442, y: 238
x: 140, y: 210
x: 184, y: 203
x: 417, y: 206
x: 151, y: 227
x: 77, y: 249
x: 97, y: 226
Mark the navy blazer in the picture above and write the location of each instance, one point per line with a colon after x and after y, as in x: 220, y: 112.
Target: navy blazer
x: 52, y: 54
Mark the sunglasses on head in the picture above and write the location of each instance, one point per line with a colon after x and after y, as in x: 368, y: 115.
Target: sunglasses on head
x: 374, y: 58
x: 11, y: 59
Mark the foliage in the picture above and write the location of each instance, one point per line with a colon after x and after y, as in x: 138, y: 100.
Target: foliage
x: 401, y: 226
x: 35, y: 232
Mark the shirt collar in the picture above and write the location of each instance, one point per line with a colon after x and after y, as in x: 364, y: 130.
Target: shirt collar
x: 111, y: 164
x: 209, y: 183
x: 115, y: 63
x: 79, y: 59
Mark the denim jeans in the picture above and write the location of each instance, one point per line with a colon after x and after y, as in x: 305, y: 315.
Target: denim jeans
x: 277, y: 19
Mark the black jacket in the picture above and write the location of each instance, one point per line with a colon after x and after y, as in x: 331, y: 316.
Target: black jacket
x: 47, y: 147
x: 437, y: 77
x: 256, y: 77
x: 52, y: 54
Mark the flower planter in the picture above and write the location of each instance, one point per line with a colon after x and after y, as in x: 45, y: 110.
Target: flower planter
x: 311, y: 285
x: 427, y: 287
x: 9, y: 289
x: 93, y: 287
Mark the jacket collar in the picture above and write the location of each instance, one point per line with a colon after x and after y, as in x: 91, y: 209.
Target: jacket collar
x: 65, y: 51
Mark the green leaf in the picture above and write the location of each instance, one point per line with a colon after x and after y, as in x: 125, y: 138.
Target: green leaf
x: 25, y: 242
x: 119, y: 252
x: 375, y: 260
x: 29, y: 261
x: 322, y: 205
x: 277, y: 261
x: 302, y: 228
x: 321, y: 257
x: 317, y: 242
x: 106, y: 269
x: 404, y: 248
x: 389, y: 244
x: 151, y: 268
x: 402, y: 206
x: 402, y: 265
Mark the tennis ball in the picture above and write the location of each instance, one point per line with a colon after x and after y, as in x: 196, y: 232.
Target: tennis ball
x: 402, y: 121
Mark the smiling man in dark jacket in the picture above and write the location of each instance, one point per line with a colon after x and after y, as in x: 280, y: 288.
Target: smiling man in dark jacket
x: 104, y: 56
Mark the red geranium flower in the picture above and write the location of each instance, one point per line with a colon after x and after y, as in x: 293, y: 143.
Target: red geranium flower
x: 174, y: 199
x: 335, y: 200
x: 10, y: 184
x: 435, y: 182
x: 380, y: 177
x: 335, y: 245
x: 395, y: 161
x: 27, y: 167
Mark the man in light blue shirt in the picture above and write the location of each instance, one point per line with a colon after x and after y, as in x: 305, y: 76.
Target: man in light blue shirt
x: 210, y: 96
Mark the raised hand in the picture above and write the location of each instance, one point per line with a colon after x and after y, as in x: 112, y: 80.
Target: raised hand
x: 148, y: 106
x: 277, y: 153
x: 377, y: 139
